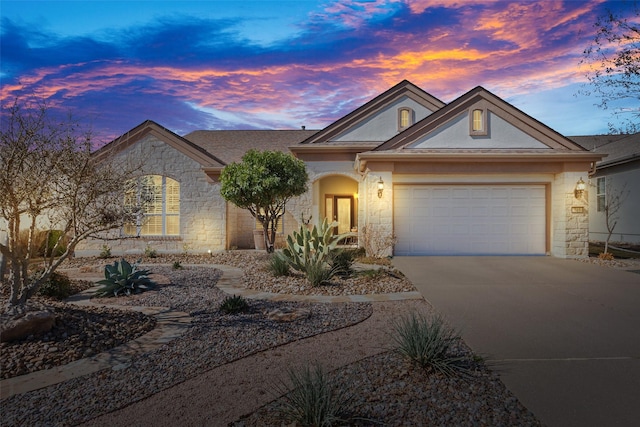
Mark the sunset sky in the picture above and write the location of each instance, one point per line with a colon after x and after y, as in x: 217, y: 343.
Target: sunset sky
x: 283, y: 64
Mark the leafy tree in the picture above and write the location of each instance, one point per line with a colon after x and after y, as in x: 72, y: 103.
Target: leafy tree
x: 613, y: 60
x: 51, y: 183
x: 263, y: 183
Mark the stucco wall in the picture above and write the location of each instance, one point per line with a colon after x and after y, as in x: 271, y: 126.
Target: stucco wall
x: 384, y: 124
x: 202, y: 209
x: 627, y: 229
x: 501, y: 134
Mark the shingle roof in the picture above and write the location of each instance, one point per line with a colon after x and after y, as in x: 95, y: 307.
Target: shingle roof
x: 620, y: 148
x: 231, y: 145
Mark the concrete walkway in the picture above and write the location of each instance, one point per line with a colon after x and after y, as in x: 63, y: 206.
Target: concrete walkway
x: 565, y: 334
x: 170, y: 325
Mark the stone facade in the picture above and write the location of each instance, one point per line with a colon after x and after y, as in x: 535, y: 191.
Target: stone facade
x: 203, y: 211
x: 570, y: 218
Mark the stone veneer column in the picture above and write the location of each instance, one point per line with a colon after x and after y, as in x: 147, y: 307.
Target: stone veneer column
x: 570, y: 218
x: 379, y: 211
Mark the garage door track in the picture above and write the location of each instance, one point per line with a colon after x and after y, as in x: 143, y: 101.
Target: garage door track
x: 563, y: 334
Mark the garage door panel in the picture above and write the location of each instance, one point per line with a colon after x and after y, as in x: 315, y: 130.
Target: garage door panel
x: 478, y: 219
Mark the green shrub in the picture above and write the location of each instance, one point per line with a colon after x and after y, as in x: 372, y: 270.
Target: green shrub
x: 105, y: 252
x: 319, y: 274
x: 278, y: 265
x: 234, y: 304
x: 149, y: 252
x: 428, y: 342
x: 58, y: 286
x: 53, y: 238
x: 123, y: 278
x: 177, y: 265
x: 315, y: 400
x: 342, y: 261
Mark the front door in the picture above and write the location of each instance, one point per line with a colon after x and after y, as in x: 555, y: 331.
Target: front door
x: 340, y: 209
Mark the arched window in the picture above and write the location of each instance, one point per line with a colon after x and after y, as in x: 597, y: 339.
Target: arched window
x: 157, y: 200
x: 478, y: 122
x: 405, y: 118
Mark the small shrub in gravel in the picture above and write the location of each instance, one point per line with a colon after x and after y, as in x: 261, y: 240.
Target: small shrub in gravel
x: 429, y: 342
x: 315, y: 400
x: 320, y: 274
x: 177, y: 266
x: 58, y: 286
x: 105, y: 252
x: 234, y: 304
x: 278, y: 265
x: 607, y: 256
x: 149, y: 252
x: 342, y: 260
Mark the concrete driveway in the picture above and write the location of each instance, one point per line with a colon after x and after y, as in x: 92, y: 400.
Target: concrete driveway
x: 565, y: 334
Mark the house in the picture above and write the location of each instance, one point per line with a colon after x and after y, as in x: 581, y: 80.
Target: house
x: 618, y: 174
x: 475, y: 176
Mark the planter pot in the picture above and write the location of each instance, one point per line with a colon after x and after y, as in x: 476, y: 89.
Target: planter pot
x: 258, y: 240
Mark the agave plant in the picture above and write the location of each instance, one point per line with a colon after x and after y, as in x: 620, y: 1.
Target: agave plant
x: 123, y: 278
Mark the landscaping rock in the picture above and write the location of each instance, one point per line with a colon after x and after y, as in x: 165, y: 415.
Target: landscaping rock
x: 288, y: 314
x: 34, y: 322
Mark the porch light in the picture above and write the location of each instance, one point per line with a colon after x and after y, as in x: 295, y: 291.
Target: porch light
x: 380, y: 188
x: 580, y: 187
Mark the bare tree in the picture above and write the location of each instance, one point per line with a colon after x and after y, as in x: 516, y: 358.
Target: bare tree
x: 613, y: 60
x: 49, y: 181
x: 612, y: 204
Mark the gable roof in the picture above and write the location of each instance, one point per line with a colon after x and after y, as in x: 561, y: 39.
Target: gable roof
x: 231, y: 145
x: 493, y: 104
x: 404, y: 88
x: 619, y: 148
x: 149, y: 127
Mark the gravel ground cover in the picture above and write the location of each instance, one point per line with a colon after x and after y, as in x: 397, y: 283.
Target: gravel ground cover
x: 78, y: 332
x: 213, y: 340
x: 388, y: 390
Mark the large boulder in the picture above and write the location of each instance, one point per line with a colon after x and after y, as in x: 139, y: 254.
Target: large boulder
x: 33, y: 322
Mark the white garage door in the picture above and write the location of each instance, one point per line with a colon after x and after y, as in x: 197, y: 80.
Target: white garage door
x: 469, y: 219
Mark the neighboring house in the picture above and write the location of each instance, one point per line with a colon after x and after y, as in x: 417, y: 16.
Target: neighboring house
x: 616, y: 174
x: 476, y: 176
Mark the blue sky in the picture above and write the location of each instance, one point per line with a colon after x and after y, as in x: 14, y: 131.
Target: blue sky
x: 284, y: 64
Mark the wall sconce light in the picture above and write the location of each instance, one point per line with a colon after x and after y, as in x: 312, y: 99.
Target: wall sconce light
x: 580, y: 187
x: 380, y: 188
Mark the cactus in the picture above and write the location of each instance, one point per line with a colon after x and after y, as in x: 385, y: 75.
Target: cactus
x: 309, y: 250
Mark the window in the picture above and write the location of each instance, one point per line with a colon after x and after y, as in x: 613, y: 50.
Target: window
x: 405, y: 118
x: 157, y: 198
x: 478, y: 122
x: 601, y: 196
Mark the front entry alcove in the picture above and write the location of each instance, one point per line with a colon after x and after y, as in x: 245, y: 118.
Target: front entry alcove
x: 338, y: 201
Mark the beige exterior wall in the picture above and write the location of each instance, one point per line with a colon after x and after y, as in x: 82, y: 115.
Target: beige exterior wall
x: 203, y: 212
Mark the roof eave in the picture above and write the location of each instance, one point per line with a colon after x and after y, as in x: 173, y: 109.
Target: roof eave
x: 478, y: 157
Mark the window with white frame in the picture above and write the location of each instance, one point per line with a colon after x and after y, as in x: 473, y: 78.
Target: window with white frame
x: 601, y: 193
x: 157, y: 200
